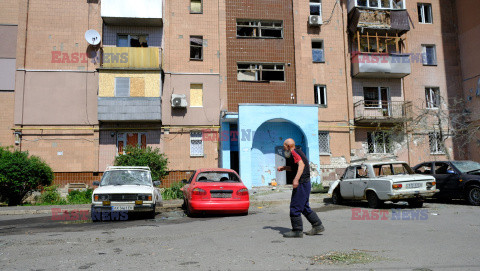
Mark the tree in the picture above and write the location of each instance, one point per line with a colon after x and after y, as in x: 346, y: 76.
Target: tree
x: 20, y: 174
x: 136, y: 156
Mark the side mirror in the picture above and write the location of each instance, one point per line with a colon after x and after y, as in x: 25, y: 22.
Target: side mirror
x: 96, y: 183
x: 184, y: 181
x: 157, y: 183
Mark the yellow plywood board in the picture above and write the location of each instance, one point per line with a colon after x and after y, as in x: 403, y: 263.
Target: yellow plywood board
x: 131, y: 57
x: 196, y: 95
x: 151, y: 83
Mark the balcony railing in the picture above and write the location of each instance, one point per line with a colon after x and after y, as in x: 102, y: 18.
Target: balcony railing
x: 380, y: 65
x: 382, y: 111
x: 131, y: 58
x: 132, y: 12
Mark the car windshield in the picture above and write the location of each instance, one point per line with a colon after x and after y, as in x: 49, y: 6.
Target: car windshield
x: 218, y: 176
x: 467, y: 166
x: 392, y: 169
x: 126, y: 177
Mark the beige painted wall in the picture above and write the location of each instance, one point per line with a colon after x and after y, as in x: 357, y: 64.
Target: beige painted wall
x: 150, y: 79
x: 6, y: 117
x: 56, y: 98
x: 208, y: 114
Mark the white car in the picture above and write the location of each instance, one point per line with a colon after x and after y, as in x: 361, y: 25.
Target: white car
x: 383, y: 181
x: 123, y: 190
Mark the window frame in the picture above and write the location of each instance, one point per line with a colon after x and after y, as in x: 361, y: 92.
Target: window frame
x: 318, y: 95
x: 197, y: 138
x: 260, y: 28
x: 380, y: 101
x: 327, y: 143
x: 421, y: 7
x: 122, y: 137
x: 320, y: 49
x: 315, y: 3
x: 379, y: 5
x: 424, y: 51
x: 386, y: 144
x: 115, y: 89
x: 194, y: 12
x: 129, y: 38
x: 259, y: 71
x: 439, y: 149
x: 429, y: 98
x: 196, y: 46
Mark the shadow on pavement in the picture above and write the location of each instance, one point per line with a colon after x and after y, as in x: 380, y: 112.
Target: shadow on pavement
x: 281, y: 230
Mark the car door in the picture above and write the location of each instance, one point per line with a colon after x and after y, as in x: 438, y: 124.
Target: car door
x: 346, y: 185
x: 447, y: 178
x: 360, y: 182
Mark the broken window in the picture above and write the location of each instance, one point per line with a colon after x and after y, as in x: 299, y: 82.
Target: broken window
x: 432, y: 96
x: 124, y: 40
x: 385, y: 3
x: 425, y: 13
x: 362, y: 3
x: 320, y: 93
x: 318, y: 55
x: 398, y: 4
x: 379, y: 142
x: 374, y: 43
x: 373, y: 3
x: 315, y: 7
x: 429, y: 55
x: 196, y: 6
x: 196, y: 47
x: 260, y: 72
x: 260, y: 29
x: 436, y: 143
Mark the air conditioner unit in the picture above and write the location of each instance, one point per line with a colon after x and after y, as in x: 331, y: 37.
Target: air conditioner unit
x: 179, y: 101
x: 315, y: 20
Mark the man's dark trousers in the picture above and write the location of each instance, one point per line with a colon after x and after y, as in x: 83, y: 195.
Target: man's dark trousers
x: 300, y: 197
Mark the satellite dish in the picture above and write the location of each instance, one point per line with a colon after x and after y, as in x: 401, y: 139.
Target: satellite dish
x: 92, y: 37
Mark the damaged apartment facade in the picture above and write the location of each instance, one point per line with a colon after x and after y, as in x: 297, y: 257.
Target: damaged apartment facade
x: 223, y: 83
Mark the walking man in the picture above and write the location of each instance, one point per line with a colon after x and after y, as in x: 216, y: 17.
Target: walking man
x: 301, y: 193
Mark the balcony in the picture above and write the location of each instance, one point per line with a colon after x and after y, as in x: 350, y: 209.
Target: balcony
x: 380, y: 65
x: 129, y: 109
x: 132, y: 12
x: 386, y: 15
x: 131, y: 58
x: 391, y: 112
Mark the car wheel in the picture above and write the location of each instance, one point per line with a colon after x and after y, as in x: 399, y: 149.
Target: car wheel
x: 337, y: 197
x: 152, y: 214
x: 415, y: 203
x: 189, y: 211
x: 473, y: 195
x: 373, y: 201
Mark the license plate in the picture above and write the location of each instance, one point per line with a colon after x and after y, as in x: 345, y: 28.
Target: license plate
x: 414, y: 185
x: 122, y: 208
x: 222, y: 195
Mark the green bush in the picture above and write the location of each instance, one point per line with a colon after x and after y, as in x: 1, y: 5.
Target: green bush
x: 136, y: 156
x: 51, y: 196
x: 20, y: 174
x: 80, y: 197
x: 173, y: 192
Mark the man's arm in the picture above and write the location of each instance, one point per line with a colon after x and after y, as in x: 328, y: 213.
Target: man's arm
x: 287, y: 168
x: 301, y: 166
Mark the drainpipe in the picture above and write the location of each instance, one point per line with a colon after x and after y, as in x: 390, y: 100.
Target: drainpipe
x: 345, y: 48
x: 25, y: 67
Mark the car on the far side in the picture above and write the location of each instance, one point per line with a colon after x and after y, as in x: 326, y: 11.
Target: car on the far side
x: 455, y: 179
x: 215, y: 190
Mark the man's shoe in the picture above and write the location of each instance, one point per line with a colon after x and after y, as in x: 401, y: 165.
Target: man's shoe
x: 315, y: 230
x: 293, y: 234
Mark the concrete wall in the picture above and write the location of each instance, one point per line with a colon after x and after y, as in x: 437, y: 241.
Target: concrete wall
x: 7, y: 99
x: 56, y: 98
x: 251, y: 117
x: 208, y: 114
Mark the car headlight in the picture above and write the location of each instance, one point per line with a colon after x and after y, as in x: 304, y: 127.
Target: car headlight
x: 101, y: 197
x: 145, y: 197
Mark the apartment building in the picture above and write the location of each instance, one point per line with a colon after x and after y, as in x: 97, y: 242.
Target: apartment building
x: 223, y: 83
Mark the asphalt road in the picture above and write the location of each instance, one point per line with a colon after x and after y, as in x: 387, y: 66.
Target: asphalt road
x: 448, y: 239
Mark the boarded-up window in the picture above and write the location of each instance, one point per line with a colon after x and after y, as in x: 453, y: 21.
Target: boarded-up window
x: 137, y: 87
x: 196, y: 95
x: 122, y: 87
x: 196, y: 6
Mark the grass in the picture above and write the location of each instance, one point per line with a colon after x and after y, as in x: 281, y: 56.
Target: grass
x: 346, y: 258
x: 51, y: 196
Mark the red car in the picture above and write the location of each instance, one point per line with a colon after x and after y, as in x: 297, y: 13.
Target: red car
x: 215, y: 190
